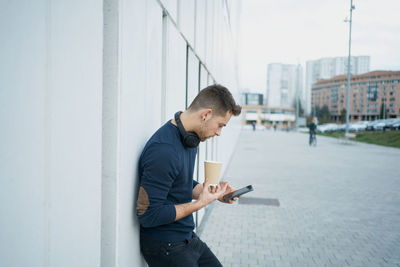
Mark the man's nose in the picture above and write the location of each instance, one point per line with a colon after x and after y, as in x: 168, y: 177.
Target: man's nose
x: 218, y: 132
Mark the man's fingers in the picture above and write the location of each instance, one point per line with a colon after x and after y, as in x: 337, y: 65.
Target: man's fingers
x: 206, y: 183
x: 225, y: 186
x: 213, y: 189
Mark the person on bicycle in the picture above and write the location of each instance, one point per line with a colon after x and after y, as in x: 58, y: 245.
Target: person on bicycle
x: 313, y: 130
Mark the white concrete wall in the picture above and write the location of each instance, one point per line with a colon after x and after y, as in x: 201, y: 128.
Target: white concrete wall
x: 83, y: 85
x: 51, y: 112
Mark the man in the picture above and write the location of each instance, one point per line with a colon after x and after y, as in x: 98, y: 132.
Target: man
x: 164, y: 205
x: 313, y: 129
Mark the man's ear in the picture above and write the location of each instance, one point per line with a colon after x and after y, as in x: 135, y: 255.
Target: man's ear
x: 206, y: 114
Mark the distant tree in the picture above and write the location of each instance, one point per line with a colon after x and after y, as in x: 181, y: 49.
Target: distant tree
x: 301, y: 110
x: 382, y: 112
x: 323, y: 114
x: 309, y: 119
x: 343, y: 115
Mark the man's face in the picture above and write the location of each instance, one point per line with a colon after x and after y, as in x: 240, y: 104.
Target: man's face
x: 213, y: 125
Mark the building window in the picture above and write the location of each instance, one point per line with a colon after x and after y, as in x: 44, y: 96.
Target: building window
x: 334, y: 95
x: 372, y: 93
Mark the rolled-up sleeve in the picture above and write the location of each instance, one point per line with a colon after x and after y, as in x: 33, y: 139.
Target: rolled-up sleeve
x: 160, y: 166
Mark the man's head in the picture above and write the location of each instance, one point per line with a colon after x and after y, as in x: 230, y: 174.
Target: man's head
x: 212, y: 109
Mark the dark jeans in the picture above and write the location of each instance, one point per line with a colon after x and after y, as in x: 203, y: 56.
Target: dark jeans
x: 188, y: 253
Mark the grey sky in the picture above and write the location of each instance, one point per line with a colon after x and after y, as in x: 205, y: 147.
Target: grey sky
x: 292, y: 31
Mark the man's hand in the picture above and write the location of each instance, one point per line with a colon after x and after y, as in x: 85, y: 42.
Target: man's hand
x: 229, y: 189
x: 210, y: 194
x: 205, y: 195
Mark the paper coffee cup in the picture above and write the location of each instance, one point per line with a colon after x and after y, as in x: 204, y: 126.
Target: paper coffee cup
x: 212, y: 171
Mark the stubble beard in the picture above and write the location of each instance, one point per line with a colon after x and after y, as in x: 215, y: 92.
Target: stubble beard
x: 202, y: 132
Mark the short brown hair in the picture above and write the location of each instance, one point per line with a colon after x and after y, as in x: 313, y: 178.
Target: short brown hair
x: 217, y: 98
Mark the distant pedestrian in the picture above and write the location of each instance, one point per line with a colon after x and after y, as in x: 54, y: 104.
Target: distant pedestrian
x: 254, y: 125
x: 313, y: 129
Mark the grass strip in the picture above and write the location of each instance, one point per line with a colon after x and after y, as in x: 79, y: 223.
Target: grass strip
x: 390, y: 138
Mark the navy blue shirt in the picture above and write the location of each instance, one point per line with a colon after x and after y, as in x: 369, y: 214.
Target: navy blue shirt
x: 166, y: 179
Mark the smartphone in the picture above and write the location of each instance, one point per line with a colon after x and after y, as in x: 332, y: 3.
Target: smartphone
x: 238, y: 192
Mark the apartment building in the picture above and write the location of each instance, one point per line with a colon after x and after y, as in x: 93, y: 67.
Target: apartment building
x: 370, y: 94
x: 326, y: 68
x: 283, y: 84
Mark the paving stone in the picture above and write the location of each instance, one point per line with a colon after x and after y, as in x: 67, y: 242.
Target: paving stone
x: 338, y: 204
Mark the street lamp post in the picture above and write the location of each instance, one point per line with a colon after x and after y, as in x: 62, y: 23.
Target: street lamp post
x: 297, y: 111
x: 348, y: 70
x: 297, y: 98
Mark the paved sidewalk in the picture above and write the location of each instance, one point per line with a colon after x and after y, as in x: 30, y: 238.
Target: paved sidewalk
x: 339, y: 204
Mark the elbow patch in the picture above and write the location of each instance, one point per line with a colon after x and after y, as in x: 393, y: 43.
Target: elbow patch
x: 142, y: 202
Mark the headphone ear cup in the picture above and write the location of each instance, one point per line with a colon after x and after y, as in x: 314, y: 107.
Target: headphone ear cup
x: 191, y: 140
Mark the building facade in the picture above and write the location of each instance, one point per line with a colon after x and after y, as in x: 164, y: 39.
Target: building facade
x: 83, y: 86
x: 283, y: 84
x: 252, y: 99
x: 283, y: 118
x: 326, y: 68
x: 370, y: 94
